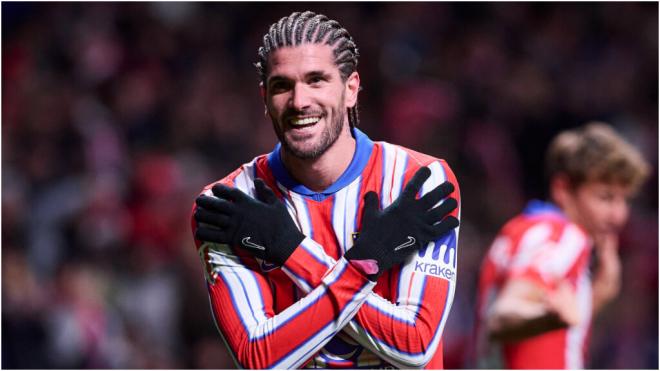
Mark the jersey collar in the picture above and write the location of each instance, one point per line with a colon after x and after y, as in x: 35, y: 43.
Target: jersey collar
x: 363, y: 148
x: 536, y: 207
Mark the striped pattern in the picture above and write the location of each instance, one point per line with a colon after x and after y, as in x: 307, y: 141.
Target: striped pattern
x: 401, y: 325
x: 544, y: 248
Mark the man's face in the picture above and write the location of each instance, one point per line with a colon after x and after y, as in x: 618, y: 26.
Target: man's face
x: 602, y: 208
x: 305, y: 99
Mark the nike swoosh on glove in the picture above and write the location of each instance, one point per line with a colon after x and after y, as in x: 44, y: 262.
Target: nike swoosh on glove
x: 390, y: 236
x: 261, y: 226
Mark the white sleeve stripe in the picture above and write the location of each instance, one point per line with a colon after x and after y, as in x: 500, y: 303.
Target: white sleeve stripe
x: 301, y: 354
x: 259, y: 327
x: 395, y: 161
x: 222, y: 335
x: 344, y: 214
x: 327, y: 333
x: 576, y: 335
x: 419, y: 358
x: 316, y: 251
x: 409, y: 289
x: 286, y: 316
x: 235, y: 302
x: 388, y: 169
x: 302, y: 212
x: 338, y: 208
x: 350, y: 212
x: 399, y: 173
x: 400, y: 313
x: 445, y: 314
x: 298, y: 280
x: 246, y: 296
x: 245, y: 180
x: 294, y: 311
x: 243, y: 277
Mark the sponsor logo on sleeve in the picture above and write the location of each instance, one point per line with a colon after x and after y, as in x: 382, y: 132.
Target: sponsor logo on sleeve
x: 438, y: 258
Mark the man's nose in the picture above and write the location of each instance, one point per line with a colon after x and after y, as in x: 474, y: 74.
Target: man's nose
x: 300, y: 98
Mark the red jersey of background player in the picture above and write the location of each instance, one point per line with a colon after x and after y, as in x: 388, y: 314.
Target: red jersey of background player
x: 543, y: 246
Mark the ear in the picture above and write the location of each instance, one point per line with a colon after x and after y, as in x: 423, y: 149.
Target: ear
x: 352, y: 88
x: 262, y: 91
x: 561, y: 190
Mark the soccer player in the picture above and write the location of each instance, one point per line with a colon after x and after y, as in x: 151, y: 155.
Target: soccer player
x: 536, y: 292
x: 332, y: 251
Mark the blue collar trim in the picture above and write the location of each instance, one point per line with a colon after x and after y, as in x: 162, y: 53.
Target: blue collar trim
x: 536, y: 207
x: 363, y: 148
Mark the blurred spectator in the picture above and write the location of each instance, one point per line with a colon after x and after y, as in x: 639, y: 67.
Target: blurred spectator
x: 116, y: 114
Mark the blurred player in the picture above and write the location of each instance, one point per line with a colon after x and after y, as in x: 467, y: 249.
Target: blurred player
x: 536, y: 292
x: 332, y: 251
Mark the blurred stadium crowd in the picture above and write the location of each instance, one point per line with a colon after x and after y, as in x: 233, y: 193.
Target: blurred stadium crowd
x: 114, y: 115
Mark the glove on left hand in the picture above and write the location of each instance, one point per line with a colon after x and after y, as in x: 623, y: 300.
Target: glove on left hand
x: 261, y: 226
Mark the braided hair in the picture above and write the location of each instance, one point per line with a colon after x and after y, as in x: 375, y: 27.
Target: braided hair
x: 309, y: 27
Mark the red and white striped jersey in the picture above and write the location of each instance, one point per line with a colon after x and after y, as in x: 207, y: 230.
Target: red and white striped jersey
x: 317, y: 310
x: 541, y: 245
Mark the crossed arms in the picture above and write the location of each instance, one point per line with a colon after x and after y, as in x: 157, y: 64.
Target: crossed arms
x: 405, y: 333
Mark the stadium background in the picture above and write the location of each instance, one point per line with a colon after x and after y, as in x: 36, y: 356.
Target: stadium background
x: 114, y: 115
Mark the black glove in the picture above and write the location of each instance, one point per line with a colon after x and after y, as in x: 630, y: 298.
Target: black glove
x: 261, y: 226
x: 392, y: 235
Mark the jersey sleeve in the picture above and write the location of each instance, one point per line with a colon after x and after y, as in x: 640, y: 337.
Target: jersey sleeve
x: 407, y: 331
x: 242, y: 304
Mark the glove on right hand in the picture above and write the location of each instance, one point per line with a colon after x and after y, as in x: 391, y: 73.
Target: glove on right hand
x: 390, y: 236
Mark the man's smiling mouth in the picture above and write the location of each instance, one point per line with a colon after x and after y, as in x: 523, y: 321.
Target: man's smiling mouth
x: 304, y: 121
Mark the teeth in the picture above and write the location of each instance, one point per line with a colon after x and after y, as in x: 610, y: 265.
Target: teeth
x: 305, y: 121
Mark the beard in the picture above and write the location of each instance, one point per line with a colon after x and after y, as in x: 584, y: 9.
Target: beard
x: 329, y: 136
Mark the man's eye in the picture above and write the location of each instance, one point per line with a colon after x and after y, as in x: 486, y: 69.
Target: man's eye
x: 278, y: 86
x: 315, y: 79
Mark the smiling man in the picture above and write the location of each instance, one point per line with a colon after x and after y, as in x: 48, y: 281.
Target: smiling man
x: 332, y: 251
x: 536, y: 293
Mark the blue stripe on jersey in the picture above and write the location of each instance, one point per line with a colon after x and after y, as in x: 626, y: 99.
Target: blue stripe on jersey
x: 392, y: 348
x: 363, y: 148
x: 331, y: 322
x: 308, y: 216
x: 300, y: 310
x: 421, y: 296
x: 306, y: 354
x: 351, y: 314
x: 445, y: 314
x: 436, y: 251
x: 403, y: 174
x: 342, y: 249
x: 313, y: 253
x: 235, y: 303
x: 319, y: 296
x: 279, y: 325
x: 357, y: 209
x: 389, y: 314
x: 245, y: 293
x: 308, y: 287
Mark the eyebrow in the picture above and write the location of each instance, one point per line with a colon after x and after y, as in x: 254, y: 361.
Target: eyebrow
x: 323, y: 74
x: 277, y: 78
